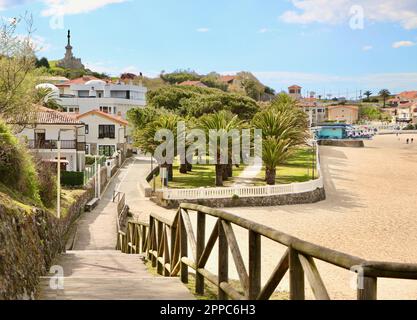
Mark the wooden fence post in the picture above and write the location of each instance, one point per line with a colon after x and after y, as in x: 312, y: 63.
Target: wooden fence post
x: 223, y: 267
x: 254, y: 265
x: 296, y: 277
x: 201, y: 238
x: 367, y: 288
x: 160, y: 267
x: 183, y: 249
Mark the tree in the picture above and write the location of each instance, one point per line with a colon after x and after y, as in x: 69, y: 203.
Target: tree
x: 367, y: 94
x: 384, y: 93
x: 179, y: 76
x: 43, y: 62
x: 283, y: 128
x: 145, y: 137
x: 47, y: 98
x: 17, y: 71
x: 197, y: 101
x: 222, y: 122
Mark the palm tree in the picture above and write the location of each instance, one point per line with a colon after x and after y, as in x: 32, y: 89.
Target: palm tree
x: 145, y: 138
x: 283, y: 127
x: 47, y: 98
x: 384, y: 93
x: 367, y: 94
x: 222, y: 122
x: 274, y: 152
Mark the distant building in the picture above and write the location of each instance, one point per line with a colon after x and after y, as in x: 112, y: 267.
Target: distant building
x: 104, y: 133
x: 69, y: 61
x: 343, y: 113
x: 315, y: 110
x: 89, y: 93
x: 404, y: 107
x: 44, y: 129
x: 295, y: 92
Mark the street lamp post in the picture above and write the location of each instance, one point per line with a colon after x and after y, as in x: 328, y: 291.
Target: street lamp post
x: 58, y: 180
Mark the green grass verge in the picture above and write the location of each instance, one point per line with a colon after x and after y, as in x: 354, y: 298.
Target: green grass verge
x: 297, y: 169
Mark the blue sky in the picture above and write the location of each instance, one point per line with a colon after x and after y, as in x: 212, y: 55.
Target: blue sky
x: 308, y: 42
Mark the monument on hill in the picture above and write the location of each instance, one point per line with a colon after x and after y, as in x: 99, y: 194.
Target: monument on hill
x: 69, y: 61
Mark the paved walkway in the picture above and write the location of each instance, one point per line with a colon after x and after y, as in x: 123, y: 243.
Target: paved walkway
x: 95, y: 270
x: 249, y: 173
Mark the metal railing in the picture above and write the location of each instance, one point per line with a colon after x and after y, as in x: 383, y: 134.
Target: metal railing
x: 53, y: 145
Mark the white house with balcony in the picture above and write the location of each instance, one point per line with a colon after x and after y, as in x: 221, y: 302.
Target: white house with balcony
x: 42, y: 132
x: 104, y: 133
x: 88, y: 93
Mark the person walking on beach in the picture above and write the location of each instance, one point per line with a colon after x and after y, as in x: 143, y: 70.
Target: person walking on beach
x: 412, y: 140
x: 408, y: 140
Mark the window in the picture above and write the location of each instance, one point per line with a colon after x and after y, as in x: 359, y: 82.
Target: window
x: 87, y: 149
x: 106, y: 131
x: 106, y: 150
x: 87, y: 130
x: 105, y: 109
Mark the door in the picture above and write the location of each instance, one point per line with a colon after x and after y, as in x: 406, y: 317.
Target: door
x: 40, y: 137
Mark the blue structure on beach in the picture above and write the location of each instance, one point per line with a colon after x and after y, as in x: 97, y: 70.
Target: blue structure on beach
x: 333, y: 131
x: 341, y: 131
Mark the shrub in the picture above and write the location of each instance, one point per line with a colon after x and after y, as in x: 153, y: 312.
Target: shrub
x: 17, y: 169
x: 72, y: 179
x: 47, y: 182
x: 89, y: 160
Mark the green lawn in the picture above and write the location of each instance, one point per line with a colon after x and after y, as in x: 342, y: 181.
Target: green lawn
x: 202, y: 175
x: 297, y: 169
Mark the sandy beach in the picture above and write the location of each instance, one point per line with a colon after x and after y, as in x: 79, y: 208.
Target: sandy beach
x: 370, y: 212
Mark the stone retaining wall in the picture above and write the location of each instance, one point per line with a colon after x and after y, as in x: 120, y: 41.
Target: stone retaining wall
x: 287, y: 199
x: 342, y: 143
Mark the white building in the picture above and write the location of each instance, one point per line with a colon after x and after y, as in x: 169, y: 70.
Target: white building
x: 104, y: 133
x: 88, y: 93
x: 42, y: 133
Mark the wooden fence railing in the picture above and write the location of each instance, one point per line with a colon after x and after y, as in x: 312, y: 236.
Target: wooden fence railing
x: 168, y: 245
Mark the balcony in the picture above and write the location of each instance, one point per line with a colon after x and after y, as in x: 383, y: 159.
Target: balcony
x: 52, y: 145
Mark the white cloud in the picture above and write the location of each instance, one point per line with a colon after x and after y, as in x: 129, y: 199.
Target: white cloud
x: 71, y: 7
x: 400, y: 44
x: 367, y: 48
x: 203, y: 30
x: 264, y: 30
x: 403, y: 12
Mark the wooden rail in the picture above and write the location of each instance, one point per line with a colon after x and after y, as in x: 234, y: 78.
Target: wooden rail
x: 174, y: 246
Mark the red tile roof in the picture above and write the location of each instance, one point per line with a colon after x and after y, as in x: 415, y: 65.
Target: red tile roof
x: 105, y: 115
x: 408, y: 95
x: 81, y: 80
x: 42, y: 115
x: 295, y: 87
x: 49, y: 116
x: 227, y: 79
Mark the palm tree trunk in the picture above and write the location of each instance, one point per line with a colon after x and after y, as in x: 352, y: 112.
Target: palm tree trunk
x: 229, y: 169
x: 170, y: 172
x: 225, y: 172
x: 183, y: 165
x: 189, y: 166
x: 219, y: 175
x: 270, y: 175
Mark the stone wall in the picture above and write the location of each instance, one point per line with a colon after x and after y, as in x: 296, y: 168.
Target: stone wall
x: 288, y: 199
x: 29, y: 241
x: 342, y: 143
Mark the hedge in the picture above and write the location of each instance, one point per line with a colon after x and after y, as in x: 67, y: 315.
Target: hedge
x: 72, y: 179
